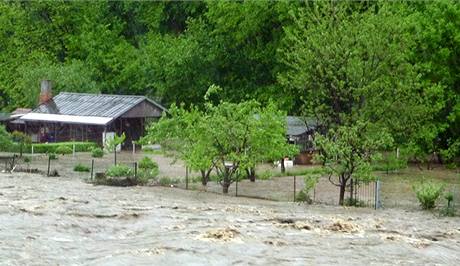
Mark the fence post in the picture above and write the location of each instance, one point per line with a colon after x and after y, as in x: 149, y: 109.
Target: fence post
x: 295, y: 179
x: 186, y: 177
x: 49, y: 162
x: 377, y: 195
x: 236, y: 188
x: 134, y: 148
x: 31, y: 157
x: 92, y: 169
x: 135, y: 170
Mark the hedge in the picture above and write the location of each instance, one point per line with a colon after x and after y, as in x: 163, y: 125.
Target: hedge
x: 51, y: 147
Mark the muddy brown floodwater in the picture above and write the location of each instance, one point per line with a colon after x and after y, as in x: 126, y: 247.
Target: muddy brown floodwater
x: 64, y: 221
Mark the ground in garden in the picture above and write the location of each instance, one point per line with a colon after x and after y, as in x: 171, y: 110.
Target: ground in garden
x: 64, y: 221
x: 396, y: 186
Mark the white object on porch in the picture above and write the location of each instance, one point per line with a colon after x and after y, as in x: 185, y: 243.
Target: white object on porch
x: 107, y: 136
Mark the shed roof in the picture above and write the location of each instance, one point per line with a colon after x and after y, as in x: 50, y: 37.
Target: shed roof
x: 298, y: 125
x: 96, y: 105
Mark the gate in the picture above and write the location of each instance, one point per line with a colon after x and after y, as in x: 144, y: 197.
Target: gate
x: 366, y: 194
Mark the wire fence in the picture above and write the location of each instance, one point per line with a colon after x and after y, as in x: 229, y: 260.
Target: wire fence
x: 386, y: 193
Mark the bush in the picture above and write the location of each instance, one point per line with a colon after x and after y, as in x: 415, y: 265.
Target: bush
x: 53, y: 156
x: 51, y: 147
x: 64, y: 150
x: 148, y: 169
x: 310, y: 182
x: 265, y: 175
x: 147, y: 163
x: 97, y: 152
x: 119, y: 171
x: 428, y: 193
x: 390, y: 163
x: 301, y: 196
x: 449, y: 210
x: 81, y: 168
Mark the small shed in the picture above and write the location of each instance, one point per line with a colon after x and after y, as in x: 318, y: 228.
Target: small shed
x: 300, y: 131
x: 89, y: 117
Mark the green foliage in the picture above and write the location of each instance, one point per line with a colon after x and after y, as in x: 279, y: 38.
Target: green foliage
x: 227, y: 137
x: 5, y: 139
x: 81, y: 168
x: 390, y: 162
x: 20, y: 137
x: 310, y: 181
x: 301, y: 196
x: 265, y: 175
x: 449, y: 209
x: 332, y: 60
x: 51, y: 147
x: 148, y: 169
x: 349, y: 151
x: 120, y: 171
x: 112, y: 143
x: 428, y: 193
x: 63, y: 150
x: 52, y: 156
x: 147, y: 163
x: 97, y: 152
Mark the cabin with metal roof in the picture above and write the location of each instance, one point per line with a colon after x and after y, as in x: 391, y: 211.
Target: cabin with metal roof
x: 88, y: 117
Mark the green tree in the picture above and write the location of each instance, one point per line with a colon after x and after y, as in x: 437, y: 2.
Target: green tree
x: 227, y: 137
x: 182, y: 135
x: 347, y: 153
x: 242, y: 135
x: 341, y: 65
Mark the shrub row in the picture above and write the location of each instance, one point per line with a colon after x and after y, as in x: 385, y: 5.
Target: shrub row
x: 53, y: 147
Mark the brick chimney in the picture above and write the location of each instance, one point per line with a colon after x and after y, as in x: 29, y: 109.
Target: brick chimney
x: 46, y: 93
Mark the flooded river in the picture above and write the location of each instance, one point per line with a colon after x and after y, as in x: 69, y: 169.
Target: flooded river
x: 64, y: 221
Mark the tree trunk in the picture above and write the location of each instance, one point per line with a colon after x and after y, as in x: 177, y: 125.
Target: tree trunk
x: 204, y: 177
x: 342, y: 194
x: 226, y: 181
x: 225, y: 187
x: 251, y: 174
x: 343, y: 185
x: 283, y: 168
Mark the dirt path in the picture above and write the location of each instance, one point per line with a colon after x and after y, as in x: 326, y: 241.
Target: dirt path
x: 63, y: 221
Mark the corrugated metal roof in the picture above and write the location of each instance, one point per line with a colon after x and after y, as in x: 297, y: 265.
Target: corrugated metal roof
x: 298, y: 125
x: 84, y: 104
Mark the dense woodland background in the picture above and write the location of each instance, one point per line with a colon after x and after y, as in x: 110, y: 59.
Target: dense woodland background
x: 394, y: 64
